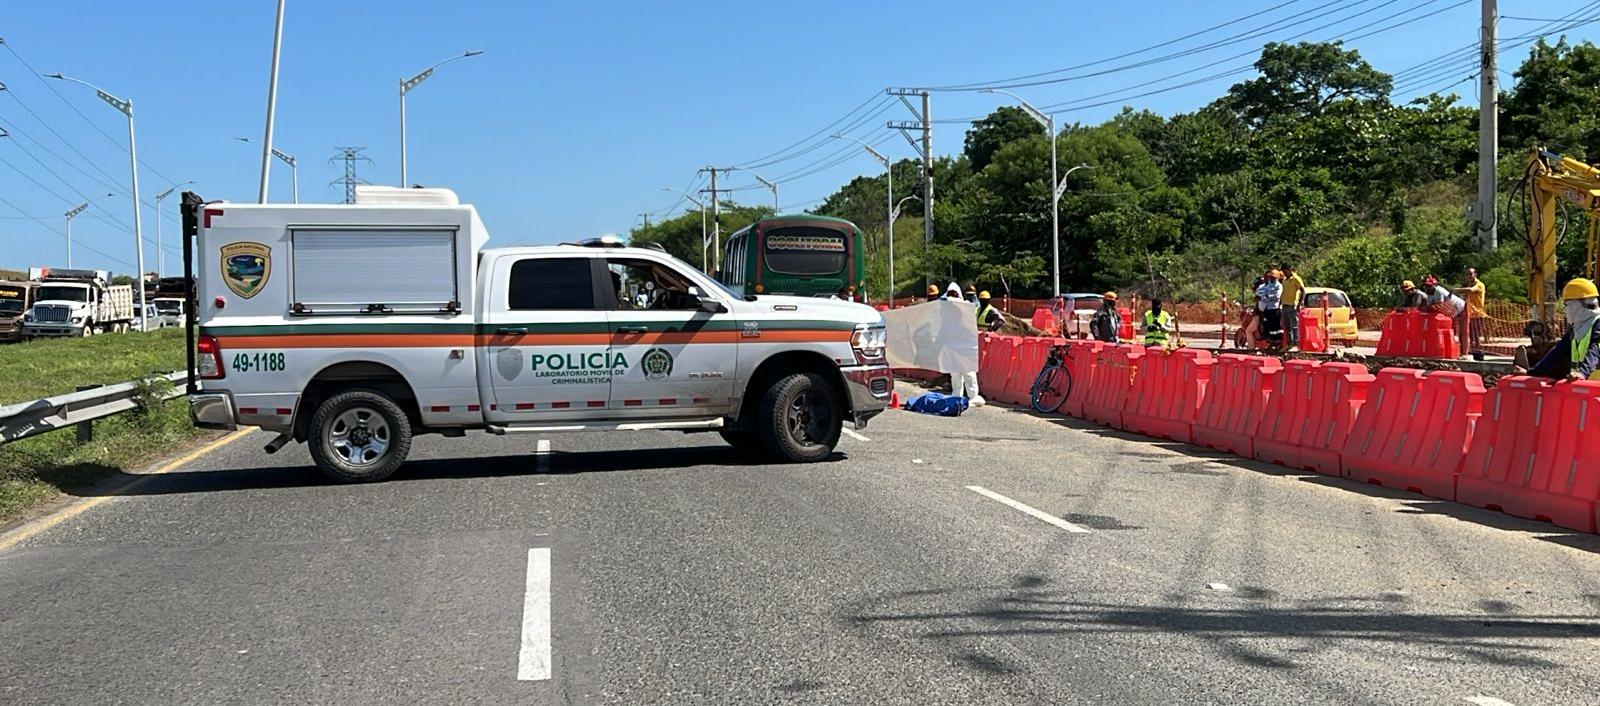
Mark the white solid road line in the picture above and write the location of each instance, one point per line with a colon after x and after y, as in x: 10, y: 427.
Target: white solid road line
x: 542, y: 456
x: 533, y: 662
x: 1047, y: 517
x: 854, y: 435
x: 1487, y: 701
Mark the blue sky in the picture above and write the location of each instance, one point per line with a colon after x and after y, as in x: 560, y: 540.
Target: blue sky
x: 580, y: 113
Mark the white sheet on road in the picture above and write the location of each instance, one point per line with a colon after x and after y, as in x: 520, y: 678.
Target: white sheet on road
x: 938, y: 335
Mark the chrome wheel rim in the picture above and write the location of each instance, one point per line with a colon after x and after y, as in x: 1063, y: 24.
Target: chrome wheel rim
x: 359, y: 436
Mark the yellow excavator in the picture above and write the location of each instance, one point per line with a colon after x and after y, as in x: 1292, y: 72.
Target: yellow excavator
x: 1551, y: 182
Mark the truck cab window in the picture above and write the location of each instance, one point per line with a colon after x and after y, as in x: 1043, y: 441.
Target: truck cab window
x: 551, y: 283
x: 643, y: 284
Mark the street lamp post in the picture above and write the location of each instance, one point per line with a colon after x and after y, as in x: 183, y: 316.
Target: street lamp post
x: 406, y: 85
x: 1049, y: 124
x: 770, y: 185
x: 286, y: 158
x: 160, y: 256
x: 893, y: 214
x: 888, y: 172
x: 126, y: 108
x: 704, y: 266
x: 74, y: 214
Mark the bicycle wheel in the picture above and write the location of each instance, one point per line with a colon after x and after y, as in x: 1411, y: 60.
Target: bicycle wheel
x: 1051, y: 389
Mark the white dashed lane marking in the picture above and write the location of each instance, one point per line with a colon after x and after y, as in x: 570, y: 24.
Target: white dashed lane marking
x: 541, y: 454
x: 855, y: 435
x: 533, y: 662
x: 1487, y: 701
x: 1040, y: 514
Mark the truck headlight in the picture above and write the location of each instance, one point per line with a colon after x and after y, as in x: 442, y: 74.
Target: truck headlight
x: 27, y: 318
x: 869, y: 342
x: 77, y: 319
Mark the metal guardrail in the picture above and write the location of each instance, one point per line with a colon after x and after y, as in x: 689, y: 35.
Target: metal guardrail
x: 20, y: 421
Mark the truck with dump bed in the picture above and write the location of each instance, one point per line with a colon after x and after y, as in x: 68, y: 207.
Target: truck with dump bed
x: 74, y: 302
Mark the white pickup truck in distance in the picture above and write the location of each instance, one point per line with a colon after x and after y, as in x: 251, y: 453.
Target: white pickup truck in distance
x: 355, y: 327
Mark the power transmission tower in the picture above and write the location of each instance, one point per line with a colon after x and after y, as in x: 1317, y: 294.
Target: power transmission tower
x: 924, y: 123
x: 716, y: 223
x: 1488, y: 131
x: 350, y: 156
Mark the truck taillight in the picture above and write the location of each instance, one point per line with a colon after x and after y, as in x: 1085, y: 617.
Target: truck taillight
x: 208, y: 362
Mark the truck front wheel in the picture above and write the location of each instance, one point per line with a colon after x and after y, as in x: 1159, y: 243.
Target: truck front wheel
x: 799, y: 419
x: 359, y: 436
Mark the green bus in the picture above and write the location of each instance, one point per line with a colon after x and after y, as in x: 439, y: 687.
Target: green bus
x: 800, y: 255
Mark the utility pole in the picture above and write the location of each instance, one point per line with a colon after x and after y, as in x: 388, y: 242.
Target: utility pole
x: 350, y: 156
x: 716, y: 223
x: 1488, y: 132
x: 646, y: 216
x: 925, y: 150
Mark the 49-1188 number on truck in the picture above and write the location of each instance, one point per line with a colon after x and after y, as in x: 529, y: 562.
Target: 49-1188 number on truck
x: 353, y: 328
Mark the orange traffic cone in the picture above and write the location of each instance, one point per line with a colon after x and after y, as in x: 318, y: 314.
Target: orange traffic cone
x: 894, y: 399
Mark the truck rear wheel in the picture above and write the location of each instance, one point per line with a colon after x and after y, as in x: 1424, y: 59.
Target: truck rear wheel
x: 359, y: 436
x: 799, y: 419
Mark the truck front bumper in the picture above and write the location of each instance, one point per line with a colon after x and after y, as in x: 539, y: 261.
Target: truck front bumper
x: 51, y: 330
x: 212, y: 410
x: 870, y: 387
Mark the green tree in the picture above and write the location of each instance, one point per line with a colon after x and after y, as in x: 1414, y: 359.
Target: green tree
x: 1000, y: 128
x: 1553, y: 103
x: 1302, y: 80
x: 680, y: 235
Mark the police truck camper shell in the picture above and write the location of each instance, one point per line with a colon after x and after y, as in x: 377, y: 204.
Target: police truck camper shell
x: 353, y: 328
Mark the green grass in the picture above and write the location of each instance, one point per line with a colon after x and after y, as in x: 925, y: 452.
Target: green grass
x: 51, y: 366
x: 39, y: 468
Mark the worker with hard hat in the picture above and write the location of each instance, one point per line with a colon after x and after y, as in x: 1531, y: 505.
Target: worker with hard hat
x: 989, y: 318
x: 1107, y: 321
x: 1158, y: 325
x: 1269, y: 307
x: 972, y: 294
x: 1577, y: 355
x: 1410, y: 296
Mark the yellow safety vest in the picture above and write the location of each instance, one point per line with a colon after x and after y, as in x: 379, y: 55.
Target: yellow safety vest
x: 983, y: 314
x: 1155, y: 328
x: 1580, y: 348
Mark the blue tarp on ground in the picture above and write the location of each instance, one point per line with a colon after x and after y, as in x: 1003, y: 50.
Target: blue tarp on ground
x: 937, y: 403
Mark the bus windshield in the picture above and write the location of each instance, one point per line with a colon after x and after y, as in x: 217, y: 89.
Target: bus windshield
x: 70, y: 294
x: 806, y: 250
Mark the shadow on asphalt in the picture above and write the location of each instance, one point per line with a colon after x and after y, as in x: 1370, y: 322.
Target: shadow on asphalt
x: 1415, y: 503
x: 560, y: 463
x: 1349, y: 623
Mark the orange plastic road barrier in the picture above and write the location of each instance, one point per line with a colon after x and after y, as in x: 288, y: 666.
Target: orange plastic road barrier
x: 1234, y: 401
x: 1167, y: 392
x: 1547, y: 472
x: 1413, y: 433
x: 1284, y: 421
x: 1313, y: 330
x: 1439, y: 337
x: 1080, y: 361
x: 1019, y: 386
x: 1044, y: 320
x: 1111, y: 383
x: 1125, y: 331
x: 994, y: 367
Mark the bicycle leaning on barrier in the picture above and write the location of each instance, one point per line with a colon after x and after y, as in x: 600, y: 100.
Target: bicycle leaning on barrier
x: 1054, y: 383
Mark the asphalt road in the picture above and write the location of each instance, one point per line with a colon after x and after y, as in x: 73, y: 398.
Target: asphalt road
x: 679, y: 572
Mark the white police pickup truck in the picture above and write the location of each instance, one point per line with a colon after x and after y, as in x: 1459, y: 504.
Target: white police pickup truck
x: 356, y: 327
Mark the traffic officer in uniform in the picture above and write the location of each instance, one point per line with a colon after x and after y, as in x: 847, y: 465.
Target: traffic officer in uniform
x: 1157, y: 325
x: 1577, y: 355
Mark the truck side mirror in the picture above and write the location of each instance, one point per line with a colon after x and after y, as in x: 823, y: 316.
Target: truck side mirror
x: 707, y: 304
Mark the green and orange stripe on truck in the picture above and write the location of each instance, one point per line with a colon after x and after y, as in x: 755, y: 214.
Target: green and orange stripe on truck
x: 446, y: 335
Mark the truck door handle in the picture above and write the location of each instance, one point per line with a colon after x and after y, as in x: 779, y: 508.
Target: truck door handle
x: 519, y: 329
x: 633, y: 329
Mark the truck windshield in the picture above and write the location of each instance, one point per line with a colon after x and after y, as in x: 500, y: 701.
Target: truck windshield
x: 72, y: 294
x: 169, y: 307
x: 10, y: 306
